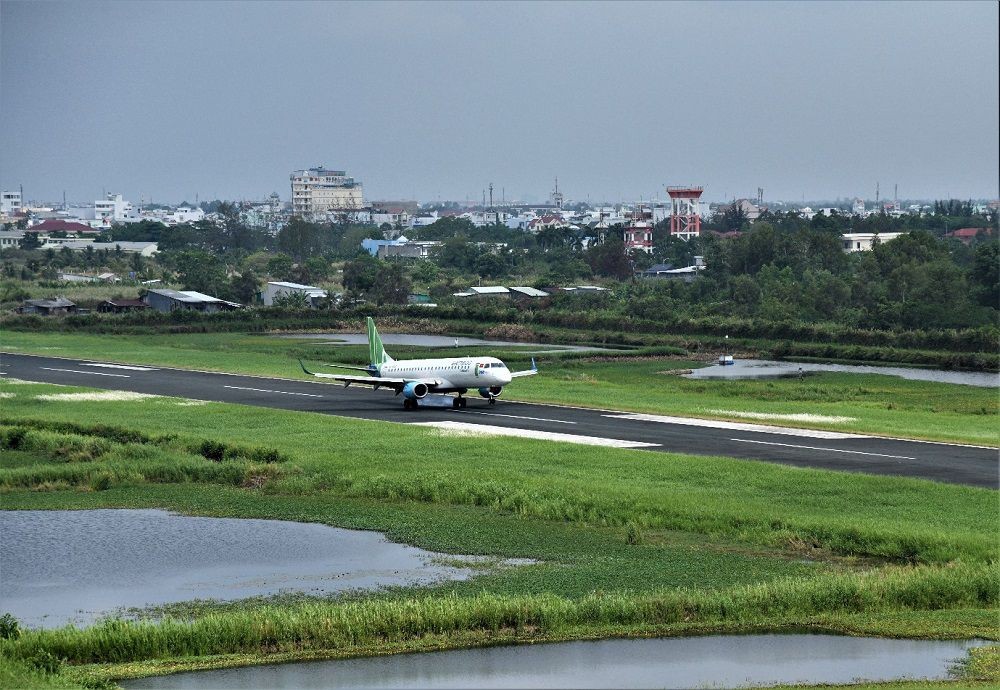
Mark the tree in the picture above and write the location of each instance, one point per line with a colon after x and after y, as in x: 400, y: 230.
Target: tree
x: 985, y: 274
x: 280, y: 266
x: 201, y: 271
x: 318, y: 268
x: 299, y: 239
x: 361, y: 274
x: 392, y: 285
x: 30, y: 241
x: 137, y: 263
x: 245, y: 287
x: 610, y: 259
x: 292, y: 300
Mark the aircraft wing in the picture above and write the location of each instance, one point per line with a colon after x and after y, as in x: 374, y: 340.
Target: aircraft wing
x: 377, y: 382
x: 527, y: 372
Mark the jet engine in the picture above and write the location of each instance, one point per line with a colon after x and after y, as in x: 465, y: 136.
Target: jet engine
x: 414, y: 390
x: 491, y: 392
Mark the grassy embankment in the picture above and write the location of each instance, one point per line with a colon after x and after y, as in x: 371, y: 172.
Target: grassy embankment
x: 628, y: 543
x: 868, y: 404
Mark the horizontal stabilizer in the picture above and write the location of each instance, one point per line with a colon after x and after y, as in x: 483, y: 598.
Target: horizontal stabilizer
x: 527, y: 372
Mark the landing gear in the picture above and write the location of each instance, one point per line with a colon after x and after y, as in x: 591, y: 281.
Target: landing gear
x: 409, y: 404
x: 493, y: 401
x: 459, y: 403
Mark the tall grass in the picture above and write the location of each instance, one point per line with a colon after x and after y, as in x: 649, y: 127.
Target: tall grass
x: 94, y: 458
x: 329, y: 625
x: 634, y: 508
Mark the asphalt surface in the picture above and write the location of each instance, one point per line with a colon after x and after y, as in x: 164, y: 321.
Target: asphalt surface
x: 941, y: 462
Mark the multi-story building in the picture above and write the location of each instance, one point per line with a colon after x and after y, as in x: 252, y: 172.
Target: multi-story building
x: 10, y: 203
x: 315, y: 191
x: 638, y: 234
x: 114, y: 209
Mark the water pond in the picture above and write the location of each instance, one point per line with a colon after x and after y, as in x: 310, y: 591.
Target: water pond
x: 64, y: 566
x: 716, y: 661
x: 761, y: 368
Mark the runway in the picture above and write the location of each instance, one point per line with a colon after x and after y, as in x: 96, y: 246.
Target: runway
x: 969, y: 465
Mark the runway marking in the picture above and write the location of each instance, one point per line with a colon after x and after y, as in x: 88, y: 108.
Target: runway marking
x: 516, y: 416
x: 736, y: 426
x: 832, y: 450
x: 92, y: 373
x: 115, y: 366
x: 265, y: 390
x: 466, y: 428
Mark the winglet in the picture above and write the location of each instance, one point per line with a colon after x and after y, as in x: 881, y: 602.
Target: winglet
x: 534, y: 367
x: 304, y: 368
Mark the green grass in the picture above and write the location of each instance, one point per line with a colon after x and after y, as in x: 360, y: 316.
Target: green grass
x: 875, y: 404
x: 753, y: 502
x: 626, y: 542
x: 325, y: 625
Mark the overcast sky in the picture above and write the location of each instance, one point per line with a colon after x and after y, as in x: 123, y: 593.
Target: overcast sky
x: 437, y: 100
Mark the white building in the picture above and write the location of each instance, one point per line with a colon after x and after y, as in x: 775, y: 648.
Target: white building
x: 184, y: 215
x: 279, y: 289
x: 10, y: 203
x: 318, y: 190
x: 858, y: 208
x: 424, y: 219
x: 10, y: 239
x: 142, y: 248
x: 114, y: 209
x: 863, y: 241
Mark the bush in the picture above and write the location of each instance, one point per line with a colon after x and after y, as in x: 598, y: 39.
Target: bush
x: 10, y: 628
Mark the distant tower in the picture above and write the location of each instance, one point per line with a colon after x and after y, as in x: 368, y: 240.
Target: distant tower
x: 557, y: 196
x: 685, y: 218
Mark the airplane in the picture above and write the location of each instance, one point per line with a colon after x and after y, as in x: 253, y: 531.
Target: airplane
x: 415, y: 378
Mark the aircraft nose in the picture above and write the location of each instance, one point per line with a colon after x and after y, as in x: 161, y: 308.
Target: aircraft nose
x: 503, y: 377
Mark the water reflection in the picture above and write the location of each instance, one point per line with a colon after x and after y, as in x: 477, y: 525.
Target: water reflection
x: 716, y: 661
x: 75, y: 566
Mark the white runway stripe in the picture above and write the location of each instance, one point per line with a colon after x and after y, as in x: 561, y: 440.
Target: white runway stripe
x: 92, y: 373
x: 832, y: 450
x: 265, y: 390
x: 736, y: 426
x: 490, y: 430
x: 115, y: 366
x: 516, y: 416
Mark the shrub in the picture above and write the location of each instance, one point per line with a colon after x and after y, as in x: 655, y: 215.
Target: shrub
x: 10, y: 628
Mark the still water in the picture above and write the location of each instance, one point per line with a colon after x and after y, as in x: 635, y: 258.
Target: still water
x: 762, y: 368
x: 64, y: 566
x: 716, y: 661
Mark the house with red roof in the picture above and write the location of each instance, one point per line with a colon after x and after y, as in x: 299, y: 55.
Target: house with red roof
x: 47, y: 227
x: 967, y: 235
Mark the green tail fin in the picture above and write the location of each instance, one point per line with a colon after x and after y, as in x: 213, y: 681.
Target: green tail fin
x: 376, y: 353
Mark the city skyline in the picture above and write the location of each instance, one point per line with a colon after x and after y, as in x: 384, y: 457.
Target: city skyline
x: 437, y: 101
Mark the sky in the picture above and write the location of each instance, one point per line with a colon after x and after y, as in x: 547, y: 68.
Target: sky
x: 164, y: 101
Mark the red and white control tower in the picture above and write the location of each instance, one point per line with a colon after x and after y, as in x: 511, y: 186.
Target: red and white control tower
x: 685, y: 219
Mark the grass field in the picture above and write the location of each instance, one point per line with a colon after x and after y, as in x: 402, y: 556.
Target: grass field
x: 626, y: 543
x: 870, y: 404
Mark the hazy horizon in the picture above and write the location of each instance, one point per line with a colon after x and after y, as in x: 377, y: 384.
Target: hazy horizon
x: 435, y: 101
